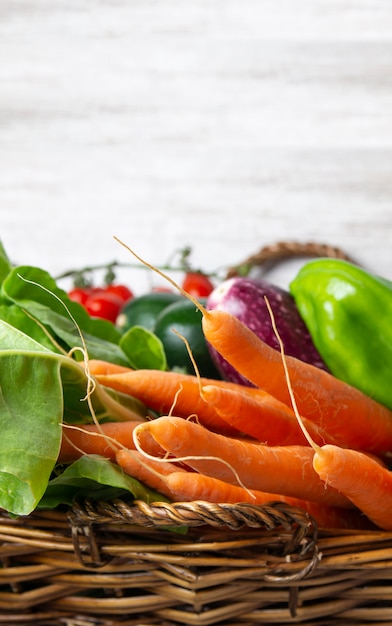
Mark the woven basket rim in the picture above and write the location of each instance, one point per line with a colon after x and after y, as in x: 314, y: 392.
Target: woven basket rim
x: 272, y: 254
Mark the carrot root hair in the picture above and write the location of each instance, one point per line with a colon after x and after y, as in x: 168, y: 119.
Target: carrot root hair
x: 301, y: 424
x: 162, y: 274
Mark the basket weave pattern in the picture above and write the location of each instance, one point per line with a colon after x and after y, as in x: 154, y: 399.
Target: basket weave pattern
x: 117, y: 563
x: 134, y: 564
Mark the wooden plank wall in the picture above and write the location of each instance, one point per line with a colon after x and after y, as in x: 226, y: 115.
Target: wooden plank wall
x: 222, y: 124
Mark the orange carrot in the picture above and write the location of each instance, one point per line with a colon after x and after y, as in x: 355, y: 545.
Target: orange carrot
x: 153, y: 473
x: 365, y: 482
x: 89, y: 439
x: 261, y: 416
x: 182, y: 486
x: 187, y: 486
x: 161, y: 391
x: 224, y: 407
x: 98, y: 366
x: 281, y: 469
x: 350, y: 417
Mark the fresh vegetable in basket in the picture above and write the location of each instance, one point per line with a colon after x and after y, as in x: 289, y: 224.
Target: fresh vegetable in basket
x: 160, y: 313
x: 322, y: 397
x: 186, y: 319
x: 41, y: 390
x: 104, y: 302
x: 184, y: 434
x: 44, y: 337
x: 144, y: 309
x: 245, y: 298
x: 348, y: 312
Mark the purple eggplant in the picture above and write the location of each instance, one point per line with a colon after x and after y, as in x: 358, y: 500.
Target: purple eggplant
x: 245, y: 298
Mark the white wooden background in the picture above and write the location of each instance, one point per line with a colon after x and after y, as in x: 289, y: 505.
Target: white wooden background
x: 222, y: 124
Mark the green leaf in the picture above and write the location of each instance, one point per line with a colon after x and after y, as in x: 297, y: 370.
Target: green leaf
x: 5, y: 264
x: 19, y: 319
x: 12, y: 338
x: 94, y: 477
x: 35, y: 291
x: 31, y: 409
x: 143, y: 349
x: 39, y: 389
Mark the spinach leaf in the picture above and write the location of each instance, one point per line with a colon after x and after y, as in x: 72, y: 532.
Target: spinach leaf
x: 31, y: 410
x: 44, y: 384
x: 19, y: 318
x: 32, y: 290
x: 5, y: 264
x: 38, y: 390
x: 143, y: 349
x: 94, y: 477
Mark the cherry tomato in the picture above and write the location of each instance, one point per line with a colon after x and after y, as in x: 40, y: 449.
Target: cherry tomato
x: 122, y: 291
x: 104, y: 305
x: 197, y: 284
x: 79, y: 294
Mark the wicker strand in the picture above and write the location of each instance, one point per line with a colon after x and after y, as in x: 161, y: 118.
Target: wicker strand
x: 163, y: 514
x: 301, y: 529
x: 283, y: 250
x: 94, y: 557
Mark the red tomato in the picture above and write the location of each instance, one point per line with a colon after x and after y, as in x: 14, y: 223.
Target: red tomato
x: 79, y: 294
x: 104, y: 305
x: 197, y: 284
x: 122, y: 291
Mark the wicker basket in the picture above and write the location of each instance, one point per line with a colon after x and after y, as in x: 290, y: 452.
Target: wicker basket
x: 129, y: 563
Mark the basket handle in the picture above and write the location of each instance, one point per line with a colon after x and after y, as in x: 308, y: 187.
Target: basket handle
x: 285, y: 250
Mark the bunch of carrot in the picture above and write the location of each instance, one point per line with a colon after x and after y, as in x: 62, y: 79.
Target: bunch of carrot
x: 221, y: 441
x: 299, y: 435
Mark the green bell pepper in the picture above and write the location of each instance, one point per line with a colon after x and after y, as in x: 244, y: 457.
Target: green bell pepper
x: 348, y: 312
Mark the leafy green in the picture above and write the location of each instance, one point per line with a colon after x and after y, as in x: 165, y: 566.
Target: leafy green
x: 19, y: 318
x: 5, y: 264
x: 13, y: 339
x: 35, y: 291
x: 39, y: 389
x: 143, y: 349
x: 44, y: 384
x: 94, y: 477
x: 31, y: 410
